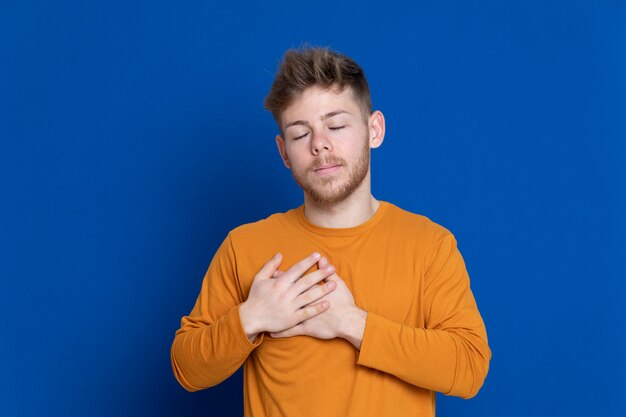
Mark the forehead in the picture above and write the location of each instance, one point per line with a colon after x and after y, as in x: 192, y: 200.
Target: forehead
x: 314, y: 102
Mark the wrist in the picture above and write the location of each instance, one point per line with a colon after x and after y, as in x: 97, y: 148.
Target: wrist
x: 250, y: 327
x: 354, y: 327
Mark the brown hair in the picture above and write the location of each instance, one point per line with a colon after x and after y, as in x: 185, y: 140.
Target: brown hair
x: 313, y: 66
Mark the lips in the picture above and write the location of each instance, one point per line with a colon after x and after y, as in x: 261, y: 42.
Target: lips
x: 326, y: 163
x: 326, y: 167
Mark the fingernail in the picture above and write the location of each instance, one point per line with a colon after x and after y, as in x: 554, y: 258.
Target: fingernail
x: 323, y: 261
x: 331, y: 284
x: 329, y: 269
x: 316, y: 255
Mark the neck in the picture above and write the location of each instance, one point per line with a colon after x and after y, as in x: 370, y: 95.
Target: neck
x: 356, y: 209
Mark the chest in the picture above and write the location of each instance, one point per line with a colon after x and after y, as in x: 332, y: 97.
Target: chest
x: 385, y: 275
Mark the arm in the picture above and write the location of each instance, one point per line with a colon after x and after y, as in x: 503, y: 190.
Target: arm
x: 451, y: 354
x: 221, y: 331
x: 211, y: 343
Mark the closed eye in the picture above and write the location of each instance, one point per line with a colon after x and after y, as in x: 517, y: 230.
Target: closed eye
x: 301, y: 136
x: 337, y: 127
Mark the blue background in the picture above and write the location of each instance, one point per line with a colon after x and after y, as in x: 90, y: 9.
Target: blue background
x: 133, y: 138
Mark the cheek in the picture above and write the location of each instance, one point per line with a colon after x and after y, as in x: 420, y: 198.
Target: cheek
x: 297, y: 153
x: 299, y: 164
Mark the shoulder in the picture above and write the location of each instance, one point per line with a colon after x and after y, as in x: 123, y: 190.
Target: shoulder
x: 415, y: 224
x: 437, y: 244
x: 260, y: 230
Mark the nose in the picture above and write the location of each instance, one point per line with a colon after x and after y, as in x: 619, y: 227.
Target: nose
x: 320, y: 143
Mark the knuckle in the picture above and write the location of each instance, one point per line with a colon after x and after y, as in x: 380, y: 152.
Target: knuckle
x: 324, y: 290
x: 307, y: 298
x: 317, y: 276
x: 309, y: 280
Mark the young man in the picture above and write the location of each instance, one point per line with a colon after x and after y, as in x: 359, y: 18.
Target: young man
x: 345, y: 306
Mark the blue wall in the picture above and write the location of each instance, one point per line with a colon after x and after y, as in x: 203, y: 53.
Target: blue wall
x: 133, y: 138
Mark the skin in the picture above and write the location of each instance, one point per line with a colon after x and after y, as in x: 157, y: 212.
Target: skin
x: 326, y: 144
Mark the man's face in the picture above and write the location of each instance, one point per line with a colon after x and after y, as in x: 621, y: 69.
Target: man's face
x: 326, y: 144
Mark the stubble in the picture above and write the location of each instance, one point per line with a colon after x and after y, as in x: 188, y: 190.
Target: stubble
x: 329, y: 190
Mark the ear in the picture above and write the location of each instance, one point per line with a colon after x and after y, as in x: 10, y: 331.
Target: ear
x: 280, y: 142
x: 376, y: 129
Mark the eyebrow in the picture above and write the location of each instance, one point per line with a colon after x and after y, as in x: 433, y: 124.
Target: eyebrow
x: 324, y: 117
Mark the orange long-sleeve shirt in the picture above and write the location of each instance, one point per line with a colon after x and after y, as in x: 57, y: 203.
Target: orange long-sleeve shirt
x: 423, y: 331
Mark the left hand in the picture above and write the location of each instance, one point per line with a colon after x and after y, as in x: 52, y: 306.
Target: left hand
x: 343, y: 319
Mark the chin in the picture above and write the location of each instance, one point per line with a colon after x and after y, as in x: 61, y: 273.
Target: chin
x: 336, y: 194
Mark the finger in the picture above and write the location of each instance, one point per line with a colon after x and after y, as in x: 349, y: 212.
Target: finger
x: 310, y: 311
x: 313, y: 278
x: 315, y: 293
x: 322, y: 262
x: 301, y: 267
x: 277, y: 273
x: 336, y: 278
x: 270, y: 267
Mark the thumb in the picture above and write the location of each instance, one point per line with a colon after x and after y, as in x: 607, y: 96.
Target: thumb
x: 269, y: 269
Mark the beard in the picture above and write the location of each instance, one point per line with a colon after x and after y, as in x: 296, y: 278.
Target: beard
x: 333, y: 189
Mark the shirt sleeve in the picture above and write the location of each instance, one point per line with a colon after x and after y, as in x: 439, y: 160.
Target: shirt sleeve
x: 450, y: 354
x: 211, y: 343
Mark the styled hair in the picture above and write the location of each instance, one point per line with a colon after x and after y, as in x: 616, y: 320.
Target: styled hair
x: 308, y: 66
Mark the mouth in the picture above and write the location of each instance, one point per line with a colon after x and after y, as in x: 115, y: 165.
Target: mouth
x: 327, y: 169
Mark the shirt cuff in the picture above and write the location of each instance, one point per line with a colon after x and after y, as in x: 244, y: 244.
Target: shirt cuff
x: 375, y: 327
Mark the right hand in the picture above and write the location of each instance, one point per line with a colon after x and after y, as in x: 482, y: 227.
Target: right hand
x: 280, y: 300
